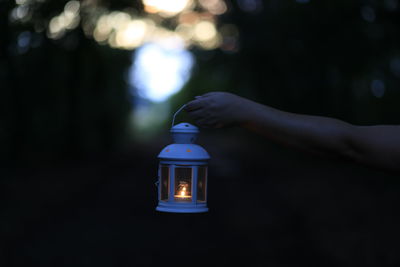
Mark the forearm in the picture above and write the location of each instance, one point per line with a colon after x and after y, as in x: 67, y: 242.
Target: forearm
x: 377, y: 146
x: 320, y: 135
x: 370, y: 145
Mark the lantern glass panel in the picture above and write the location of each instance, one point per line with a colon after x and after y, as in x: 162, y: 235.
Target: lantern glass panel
x: 183, y: 184
x: 164, y: 183
x: 201, y: 183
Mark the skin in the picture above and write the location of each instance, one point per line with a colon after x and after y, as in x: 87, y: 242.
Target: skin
x: 377, y: 146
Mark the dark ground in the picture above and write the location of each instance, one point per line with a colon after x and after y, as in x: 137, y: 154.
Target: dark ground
x: 287, y: 210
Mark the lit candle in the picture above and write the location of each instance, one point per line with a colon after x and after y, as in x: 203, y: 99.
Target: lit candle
x: 182, y: 193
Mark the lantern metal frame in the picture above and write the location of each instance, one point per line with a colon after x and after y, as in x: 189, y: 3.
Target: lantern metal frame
x: 172, y: 205
x: 183, y: 153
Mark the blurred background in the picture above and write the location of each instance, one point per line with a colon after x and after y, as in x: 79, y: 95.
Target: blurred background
x: 88, y: 90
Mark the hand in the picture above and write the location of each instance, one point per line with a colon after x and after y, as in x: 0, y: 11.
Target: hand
x: 217, y: 110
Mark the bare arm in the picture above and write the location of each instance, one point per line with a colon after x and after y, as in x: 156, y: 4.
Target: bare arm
x: 377, y: 146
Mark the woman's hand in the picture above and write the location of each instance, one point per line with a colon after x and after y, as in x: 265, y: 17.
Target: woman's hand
x: 218, y: 109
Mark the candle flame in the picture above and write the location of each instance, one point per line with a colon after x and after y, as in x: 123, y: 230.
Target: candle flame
x: 183, y: 192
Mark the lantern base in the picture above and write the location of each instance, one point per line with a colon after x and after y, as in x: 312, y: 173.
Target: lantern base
x: 182, y: 208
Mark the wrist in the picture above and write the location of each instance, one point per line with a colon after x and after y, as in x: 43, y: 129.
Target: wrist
x: 245, y: 112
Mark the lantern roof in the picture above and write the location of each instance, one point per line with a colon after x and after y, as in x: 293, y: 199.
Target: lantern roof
x: 187, y: 152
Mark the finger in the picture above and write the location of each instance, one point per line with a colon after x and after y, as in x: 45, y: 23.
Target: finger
x: 204, y: 95
x: 206, y: 123
x: 194, y: 104
x: 197, y: 114
x: 208, y: 94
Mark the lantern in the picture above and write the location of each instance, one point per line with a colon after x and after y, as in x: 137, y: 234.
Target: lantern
x: 182, y: 174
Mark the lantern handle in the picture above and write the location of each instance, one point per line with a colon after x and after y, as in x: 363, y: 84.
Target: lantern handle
x: 176, y: 113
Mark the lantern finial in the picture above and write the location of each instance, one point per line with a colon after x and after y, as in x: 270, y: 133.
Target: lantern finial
x: 184, y: 133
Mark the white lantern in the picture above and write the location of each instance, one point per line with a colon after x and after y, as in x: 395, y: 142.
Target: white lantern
x: 182, y: 174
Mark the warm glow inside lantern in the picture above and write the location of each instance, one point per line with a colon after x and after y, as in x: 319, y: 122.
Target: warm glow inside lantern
x: 182, y: 175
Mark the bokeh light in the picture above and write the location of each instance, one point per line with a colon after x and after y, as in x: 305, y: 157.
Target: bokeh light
x: 250, y: 6
x: 368, y: 13
x: 161, y: 69
x: 132, y: 35
x: 160, y: 37
x: 23, y: 42
x: 215, y: 7
x: 230, y: 38
x: 204, y: 31
x: 68, y: 19
x: 166, y: 8
x: 378, y: 88
x: 196, y: 22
